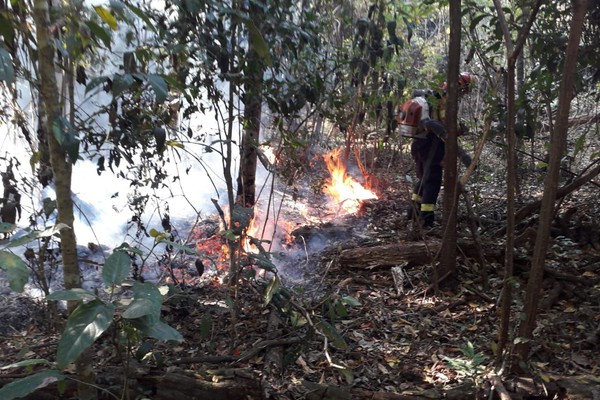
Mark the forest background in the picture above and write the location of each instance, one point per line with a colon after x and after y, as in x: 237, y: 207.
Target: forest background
x: 172, y: 98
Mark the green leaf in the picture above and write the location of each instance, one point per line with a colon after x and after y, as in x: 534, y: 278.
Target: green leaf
x: 351, y: 301
x: 153, y: 233
x: 48, y: 206
x: 174, y: 83
x: 107, y: 17
x: 476, y: 20
x: 7, y: 71
x: 348, y: 375
x: 24, y: 386
x: 31, y: 236
x: 332, y: 333
x: 67, y: 137
x: 271, y: 290
x: 116, y: 268
x: 84, y: 326
x: 72, y: 294
x: 181, y: 247
x: 141, y: 15
x: 100, y: 33
x: 161, y: 90
x: 162, y: 331
x: 468, y: 350
x: 258, y: 42
x: 26, y: 363
x: 121, y: 83
x: 147, y: 300
x: 138, y: 308
x: 95, y: 82
x: 340, y: 310
x: 16, y: 270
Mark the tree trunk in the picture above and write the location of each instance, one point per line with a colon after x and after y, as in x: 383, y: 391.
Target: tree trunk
x: 252, y: 98
x: 448, y: 253
x: 512, y: 51
x: 61, y: 168
x: 558, y: 143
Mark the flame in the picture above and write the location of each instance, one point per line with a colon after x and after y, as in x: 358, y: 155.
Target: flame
x: 342, y: 188
x: 345, y: 195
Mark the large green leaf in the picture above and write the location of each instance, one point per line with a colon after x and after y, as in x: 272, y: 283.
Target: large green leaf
x: 147, y: 301
x: 84, y: 326
x: 157, y: 330
x: 72, y: 294
x: 138, y: 308
x: 99, y: 33
x: 121, y: 83
x: 7, y: 71
x: 24, y: 386
x: 16, y: 269
x: 161, y: 90
x: 116, y: 268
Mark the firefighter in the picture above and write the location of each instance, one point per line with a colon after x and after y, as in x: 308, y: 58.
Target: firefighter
x: 427, y: 149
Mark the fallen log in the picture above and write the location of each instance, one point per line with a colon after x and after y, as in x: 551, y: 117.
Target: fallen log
x: 227, y: 385
x: 387, y: 255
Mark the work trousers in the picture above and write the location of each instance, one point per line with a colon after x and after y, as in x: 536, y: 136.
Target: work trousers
x: 428, y: 154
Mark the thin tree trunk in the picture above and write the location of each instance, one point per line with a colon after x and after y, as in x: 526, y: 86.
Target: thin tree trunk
x: 61, y: 168
x: 558, y: 143
x: 246, y: 191
x: 512, y: 51
x: 448, y: 253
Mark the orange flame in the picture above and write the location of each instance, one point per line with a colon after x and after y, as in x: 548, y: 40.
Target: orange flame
x: 342, y: 188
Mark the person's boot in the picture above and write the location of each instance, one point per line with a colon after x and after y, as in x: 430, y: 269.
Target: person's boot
x: 428, y: 226
x: 427, y: 219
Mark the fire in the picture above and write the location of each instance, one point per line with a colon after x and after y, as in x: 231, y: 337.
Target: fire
x: 260, y: 236
x: 342, y: 188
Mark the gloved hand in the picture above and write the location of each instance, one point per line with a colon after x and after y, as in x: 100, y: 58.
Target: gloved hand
x: 466, y: 160
x: 464, y: 157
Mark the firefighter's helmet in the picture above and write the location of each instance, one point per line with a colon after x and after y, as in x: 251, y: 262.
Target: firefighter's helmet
x: 465, y: 82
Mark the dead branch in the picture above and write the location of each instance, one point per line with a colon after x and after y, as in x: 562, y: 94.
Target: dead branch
x: 499, y: 387
x: 532, y: 207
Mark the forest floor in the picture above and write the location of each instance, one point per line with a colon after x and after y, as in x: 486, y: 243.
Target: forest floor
x: 338, y: 329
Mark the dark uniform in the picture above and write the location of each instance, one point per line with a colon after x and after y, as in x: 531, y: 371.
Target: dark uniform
x: 427, y: 150
x: 428, y: 154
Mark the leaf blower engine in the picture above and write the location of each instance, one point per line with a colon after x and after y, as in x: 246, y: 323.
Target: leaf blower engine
x: 411, y: 113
